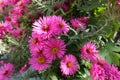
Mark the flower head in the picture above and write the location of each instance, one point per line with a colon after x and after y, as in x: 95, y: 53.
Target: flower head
x: 45, y: 27
x: 112, y: 72
x: 41, y: 62
x: 79, y: 23
x: 61, y: 26
x: 6, y: 71
x: 36, y: 41
x: 89, y: 51
x: 97, y: 72
x: 69, y: 65
x: 55, y: 48
x: 17, y: 33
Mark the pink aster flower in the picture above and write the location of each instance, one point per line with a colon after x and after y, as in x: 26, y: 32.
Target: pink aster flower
x: 69, y: 65
x: 17, y: 33
x: 45, y: 26
x: 79, y: 23
x: 6, y: 71
x: 36, y: 41
x: 41, y: 62
x: 112, y: 72
x: 37, y: 51
x: 62, y: 26
x: 89, y: 51
x: 97, y: 72
x: 8, y: 27
x: 16, y: 11
x: 15, y: 21
x: 55, y: 48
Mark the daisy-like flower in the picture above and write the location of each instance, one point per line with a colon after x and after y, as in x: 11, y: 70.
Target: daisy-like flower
x: 69, y: 65
x: 36, y: 41
x: 79, y: 23
x: 89, y: 51
x: 17, y: 33
x: 6, y: 71
x: 112, y: 72
x: 45, y: 26
x: 62, y: 26
x: 16, y: 11
x: 41, y: 62
x: 55, y: 48
x: 97, y: 72
x: 37, y: 51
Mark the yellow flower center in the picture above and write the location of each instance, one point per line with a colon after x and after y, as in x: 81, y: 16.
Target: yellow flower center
x: 41, y: 60
x: 61, y: 24
x: 69, y: 64
x: 55, y: 50
x: 35, y: 40
x: 5, y: 72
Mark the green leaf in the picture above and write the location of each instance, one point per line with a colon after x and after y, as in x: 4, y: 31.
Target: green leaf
x: 111, y: 53
x: 53, y: 77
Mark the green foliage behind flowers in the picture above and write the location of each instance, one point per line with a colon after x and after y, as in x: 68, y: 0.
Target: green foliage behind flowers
x: 60, y: 39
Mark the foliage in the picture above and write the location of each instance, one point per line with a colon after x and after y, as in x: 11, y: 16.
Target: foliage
x: 102, y: 29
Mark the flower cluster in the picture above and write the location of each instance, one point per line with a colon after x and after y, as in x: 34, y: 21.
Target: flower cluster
x: 45, y: 46
x: 100, y: 69
x: 11, y: 24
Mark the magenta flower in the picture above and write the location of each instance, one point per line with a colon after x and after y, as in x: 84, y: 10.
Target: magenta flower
x: 37, y: 51
x: 36, y: 41
x: 79, y: 23
x: 112, y: 72
x: 97, y: 72
x: 17, y: 33
x: 89, y: 51
x: 55, y: 48
x: 41, y: 62
x: 45, y: 27
x: 69, y: 65
x: 62, y: 26
x: 16, y: 11
x: 6, y: 71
